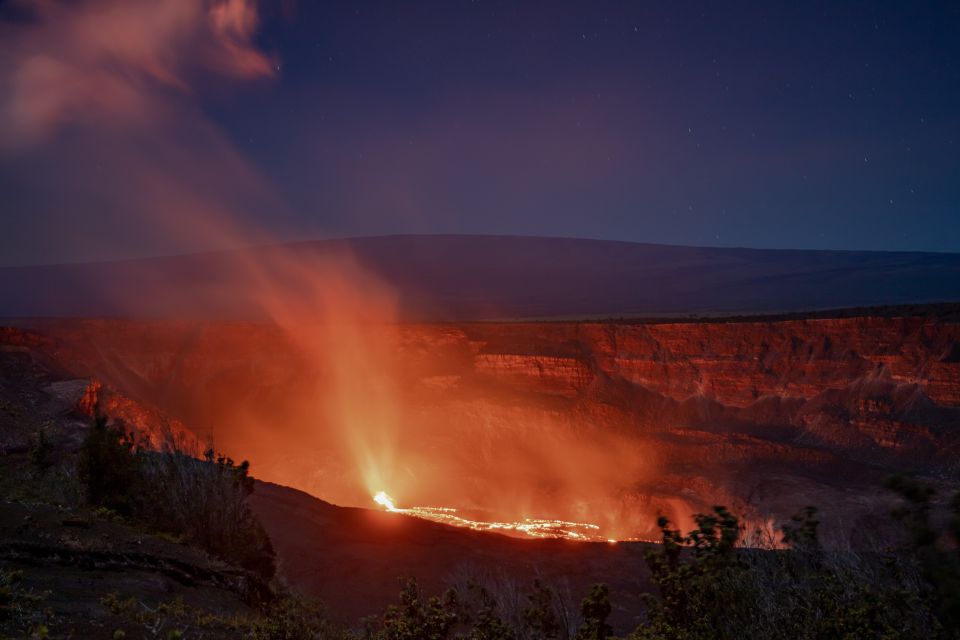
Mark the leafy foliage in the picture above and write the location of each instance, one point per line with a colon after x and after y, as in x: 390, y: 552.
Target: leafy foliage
x: 698, y: 577
x: 109, y: 467
x: 937, y: 553
x: 540, y: 615
x: 202, y: 502
x: 705, y: 586
x: 294, y: 618
x: 595, y: 611
x: 417, y: 619
x: 21, y: 609
x: 710, y: 589
x: 485, y: 622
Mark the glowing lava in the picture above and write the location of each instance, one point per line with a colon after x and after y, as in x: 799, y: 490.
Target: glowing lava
x: 528, y: 527
x: 383, y: 499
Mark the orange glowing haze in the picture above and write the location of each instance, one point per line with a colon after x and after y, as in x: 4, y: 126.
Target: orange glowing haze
x: 345, y: 424
x: 353, y: 429
x: 348, y: 417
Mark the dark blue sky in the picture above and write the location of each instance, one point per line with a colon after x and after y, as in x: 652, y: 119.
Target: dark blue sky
x: 765, y: 124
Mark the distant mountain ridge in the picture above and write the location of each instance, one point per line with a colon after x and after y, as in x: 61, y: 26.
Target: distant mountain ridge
x: 460, y: 277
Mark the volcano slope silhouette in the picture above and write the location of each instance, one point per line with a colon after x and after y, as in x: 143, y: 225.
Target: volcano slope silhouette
x: 484, y: 277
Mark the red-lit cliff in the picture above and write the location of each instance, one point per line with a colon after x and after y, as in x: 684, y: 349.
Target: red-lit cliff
x: 596, y: 422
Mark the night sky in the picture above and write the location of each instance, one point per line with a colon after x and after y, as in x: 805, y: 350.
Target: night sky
x: 766, y: 124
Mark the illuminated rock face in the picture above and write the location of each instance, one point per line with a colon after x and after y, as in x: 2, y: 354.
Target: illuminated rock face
x: 869, y: 388
x: 604, y: 423
x: 735, y: 364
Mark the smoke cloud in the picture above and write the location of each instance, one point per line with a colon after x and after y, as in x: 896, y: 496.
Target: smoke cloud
x: 112, y: 64
x: 100, y: 95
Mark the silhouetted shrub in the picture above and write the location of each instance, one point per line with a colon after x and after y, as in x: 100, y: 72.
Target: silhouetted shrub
x: 483, y: 618
x: 473, y: 612
x: 109, y: 467
x: 540, y: 615
x: 203, y: 502
x: 417, y: 619
x: 595, y: 611
x: 295, y: 618
x: 937, y: 553
x: 22, y: 611
x: 540, y: 611
x: 705, y: 587
x: 41, y: 451
x: 709, y: 589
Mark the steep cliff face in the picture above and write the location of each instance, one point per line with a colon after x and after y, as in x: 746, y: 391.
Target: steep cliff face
x: 856, y: 383
x: 601, y: 422
x: 735, y: 364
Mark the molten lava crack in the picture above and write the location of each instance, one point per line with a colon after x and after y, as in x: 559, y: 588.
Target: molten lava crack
x: 530, y: 527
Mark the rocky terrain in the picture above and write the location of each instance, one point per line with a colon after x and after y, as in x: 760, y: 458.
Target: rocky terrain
x: 610, y: 423
x: 81, y: 573
x: 65, y: 570
x: 354, y: 559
